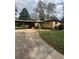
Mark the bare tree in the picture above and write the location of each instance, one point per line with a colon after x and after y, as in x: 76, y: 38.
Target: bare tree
x: 51, y: 9
x: 40, y: 10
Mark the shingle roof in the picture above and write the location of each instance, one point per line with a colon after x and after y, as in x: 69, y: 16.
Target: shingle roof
x: 27, y: 21
x: 24, y: 20
x: 52, y: 19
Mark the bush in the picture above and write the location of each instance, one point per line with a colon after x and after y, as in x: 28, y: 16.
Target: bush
x: 61, y: 26
x: 17, y: 24
x: 38, y: 26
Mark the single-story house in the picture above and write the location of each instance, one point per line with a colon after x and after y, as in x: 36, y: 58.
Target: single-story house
x: 50, y: 23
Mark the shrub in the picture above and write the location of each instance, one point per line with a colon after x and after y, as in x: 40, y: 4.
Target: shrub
x: 61, y: 27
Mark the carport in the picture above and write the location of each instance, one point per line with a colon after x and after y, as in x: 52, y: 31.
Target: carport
x: 30, y: 23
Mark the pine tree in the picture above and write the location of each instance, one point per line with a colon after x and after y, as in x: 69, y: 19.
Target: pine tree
x: 24, y: 14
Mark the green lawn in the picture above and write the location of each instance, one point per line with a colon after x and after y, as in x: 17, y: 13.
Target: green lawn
x: 54, y: 38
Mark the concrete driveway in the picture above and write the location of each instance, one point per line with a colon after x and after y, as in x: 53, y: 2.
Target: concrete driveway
x: 29, y: 45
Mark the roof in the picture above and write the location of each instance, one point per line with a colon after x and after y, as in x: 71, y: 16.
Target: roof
x: 52, y: 19
x: 38, y: 21
x: 27, y: 21
x: 24, y: 20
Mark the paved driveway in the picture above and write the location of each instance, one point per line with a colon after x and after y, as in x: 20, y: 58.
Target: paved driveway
x: 29, y: 45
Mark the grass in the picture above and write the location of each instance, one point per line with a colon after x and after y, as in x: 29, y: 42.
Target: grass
x: 54, y: 38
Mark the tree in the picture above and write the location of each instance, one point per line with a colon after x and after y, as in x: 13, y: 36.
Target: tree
x: 50, y: 9
x: 40, y: 10
x: 24, y: 15
x: 62, y: 18
x: 16, y: 10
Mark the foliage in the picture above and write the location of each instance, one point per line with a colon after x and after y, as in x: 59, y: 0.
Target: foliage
x: 40, y: 10
x: 62, y: 18
x: 50, y: 9
x: 61, y: 26
x: 16, y: 10
x: 20, y: 26
x: 17, y: 24
x: 38, y: 26
x: 24, y: 15
x: 44, y: 11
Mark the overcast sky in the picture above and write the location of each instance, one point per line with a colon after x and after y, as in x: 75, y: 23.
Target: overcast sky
x: 31, y: 4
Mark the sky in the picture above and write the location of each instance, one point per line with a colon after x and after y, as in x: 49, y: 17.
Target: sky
x: 31, y: 4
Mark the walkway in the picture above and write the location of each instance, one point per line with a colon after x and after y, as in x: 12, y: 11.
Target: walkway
x: 29, y: 45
